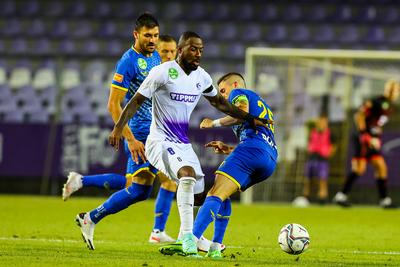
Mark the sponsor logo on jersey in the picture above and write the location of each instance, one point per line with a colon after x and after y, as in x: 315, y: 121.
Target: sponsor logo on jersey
x: 142, y: 63
x: 173, y: 73
x: 183, y: 97
x: 118, y: 77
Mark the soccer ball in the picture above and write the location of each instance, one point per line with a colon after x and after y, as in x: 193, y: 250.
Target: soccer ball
x: 293, y: 238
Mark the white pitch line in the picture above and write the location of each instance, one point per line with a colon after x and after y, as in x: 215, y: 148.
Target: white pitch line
x: 143, y: 243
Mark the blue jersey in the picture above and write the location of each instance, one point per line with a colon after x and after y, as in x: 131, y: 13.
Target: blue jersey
x: 130, y: 72
x: 259, y: 108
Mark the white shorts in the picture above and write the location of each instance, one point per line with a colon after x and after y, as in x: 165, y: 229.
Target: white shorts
x: 169, y: 157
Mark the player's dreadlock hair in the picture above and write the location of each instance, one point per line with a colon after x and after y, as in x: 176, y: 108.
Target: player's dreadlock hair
x: 228, y: 75
x: 166, y: 38
x: 185, y: 36
x: 146, y: 20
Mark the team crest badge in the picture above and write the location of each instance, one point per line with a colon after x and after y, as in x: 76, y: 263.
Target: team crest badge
x: 173, y: 73
x: 142, y: 63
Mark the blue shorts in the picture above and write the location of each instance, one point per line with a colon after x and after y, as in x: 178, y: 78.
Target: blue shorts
x: 316, y: 168
x: 247, y: 165
x: 132, y: 168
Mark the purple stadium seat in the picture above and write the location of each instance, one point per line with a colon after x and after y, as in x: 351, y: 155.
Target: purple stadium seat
x: 7, y: 8
x: 42, y: 47
x: 82, y: 29
x: 178, y: 28
x: 268, y: 12
x: 343, y: 13
x: 251, y: 32
x: 25, y: 93
x: 14, y: 116
x: 39, y: 116
x: 220, y: 12
x: 36, y: 28
x: 5, y: 92
x: 324, y: 34
x: 173, y: 11
x: 300, y: 33
x: 375, y: 35
x: 197, y: 11
x: 205, y: 30
x: 31, y: 8
x: 114, y: 48
x: 108, y: 29
x: 236, y: 50
x: 390, y: 15
x: 77, y: 9
x: 54, y: 9
x: 88, y: 117
x: 101, y: 10
x: 244, y: 12
x: 91, y: 47
x: 212, y: 50
x: 276, y: 33
x: 228, y: 31
x: 367, y: 14
x: 67, y: 47
x: 12, y: 27
x: 126, y: 10
x: 394, y: 36
x: 293, y: 13
x: 317, y: 13
x: 19, y: 46
x: 349, y: 34
x: 60, y: 29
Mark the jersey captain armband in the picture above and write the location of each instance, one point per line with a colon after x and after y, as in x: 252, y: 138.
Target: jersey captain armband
x: 210, y: 91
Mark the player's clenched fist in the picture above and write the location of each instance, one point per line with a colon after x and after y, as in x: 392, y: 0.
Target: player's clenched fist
x: 206, y: 123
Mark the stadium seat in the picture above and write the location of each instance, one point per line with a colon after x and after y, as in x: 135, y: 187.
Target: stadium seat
x: 14, y: 115
x: 94, y: 73
x: 220, y: 12
x: 76, y: 9
x: 67, y: 47
x: 276, y: 33
x: 42, y: 46
x: 90, y: 47
x: 30, y: 8
x: 173, y: 11
x: 114, y: 48
x: 375, y: 35
x: 45, y: 76
x: 236, y: 51
x: 198, y: 11
x: 212, y: 50
x: 343, y: 13
x: 205, y: 30
x: 101, y: 10
x: 40, y: 116
x: 107, y: 30
x: 251, y: 32
x: 54, y: 9
x: 349, y: 34
x: 12, y: 27
x: 126, y: 10
x: 316, y: 14
x: 36, y: 28
x: 70, y: 75
x: 82, y: 28
x: 368, y: 14
x: 293, y: 13
x: 324, y: 34
x: 20, y: 75
x: 268, y: 13
x: 299, y: 33
x: 19, y: 46
x: 7, y: 8
x: 390, y: 15
x: 60, y: 29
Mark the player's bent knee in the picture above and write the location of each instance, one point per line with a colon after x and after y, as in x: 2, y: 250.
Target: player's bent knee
x: 186, y: 171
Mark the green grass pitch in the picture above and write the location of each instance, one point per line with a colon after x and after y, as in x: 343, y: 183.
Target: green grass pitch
x: 40, y: 231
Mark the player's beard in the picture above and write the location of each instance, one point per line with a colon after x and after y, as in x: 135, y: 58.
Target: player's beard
x: 188, y: 65
x: 146, y: 49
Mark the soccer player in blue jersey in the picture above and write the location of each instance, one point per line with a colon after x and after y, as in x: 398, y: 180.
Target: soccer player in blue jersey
x: 166, y: 47
x: 131, y: 70
x: 251, y: 162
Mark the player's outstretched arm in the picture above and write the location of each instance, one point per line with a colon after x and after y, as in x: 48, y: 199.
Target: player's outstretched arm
x: 224, y: 121
x: 127, y: 113
x: 220, y: 103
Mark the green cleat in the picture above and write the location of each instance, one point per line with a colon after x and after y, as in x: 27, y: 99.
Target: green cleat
x: 189, y: 246
x: 215, y: 254
x: 171, y: 249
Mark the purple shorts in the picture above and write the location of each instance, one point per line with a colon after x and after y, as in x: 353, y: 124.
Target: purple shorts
x: 317, y: 169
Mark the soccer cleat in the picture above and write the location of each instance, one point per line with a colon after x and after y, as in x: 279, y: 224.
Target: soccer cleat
x: 214, y: 254
x: 341, y: 199
x: 301, y: 202
x: 171, y: 249
x: 87, y: 228
x: 160, y: 237
x: 73, y: 184
x: 203, y: 244
x: 189, y: 246
x: 387, y: 203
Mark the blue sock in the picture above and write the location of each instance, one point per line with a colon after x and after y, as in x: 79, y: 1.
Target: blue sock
x: 121, y: 200
x: 162, y: 208
x: 206, y: 215
x: 221, y: 222
x: 107, y: 180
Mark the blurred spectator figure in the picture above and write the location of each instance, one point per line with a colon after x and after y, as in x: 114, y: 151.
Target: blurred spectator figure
x: 320, y: 148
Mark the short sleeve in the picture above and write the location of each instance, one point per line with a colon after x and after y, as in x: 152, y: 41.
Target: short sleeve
x: 235, y: 96
x: 124, y: 73
x: 209, y: 90
x: 156, y: 78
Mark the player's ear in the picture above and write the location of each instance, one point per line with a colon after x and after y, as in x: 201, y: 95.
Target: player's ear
x: 136, y: 34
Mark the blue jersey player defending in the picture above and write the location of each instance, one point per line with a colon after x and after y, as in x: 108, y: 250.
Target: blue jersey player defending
x: 251, y: 162
x: 130, y: 72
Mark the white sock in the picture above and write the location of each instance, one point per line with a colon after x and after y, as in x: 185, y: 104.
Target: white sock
x: 185, y: 201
